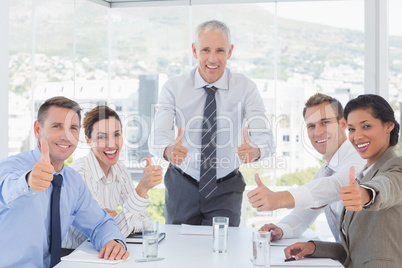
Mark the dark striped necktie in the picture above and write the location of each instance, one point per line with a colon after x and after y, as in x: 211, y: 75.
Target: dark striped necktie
x: 329, y: 213
x: 208, y: 142
x: 55, y: 226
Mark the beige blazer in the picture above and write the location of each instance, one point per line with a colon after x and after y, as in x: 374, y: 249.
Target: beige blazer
x: 372, y: 238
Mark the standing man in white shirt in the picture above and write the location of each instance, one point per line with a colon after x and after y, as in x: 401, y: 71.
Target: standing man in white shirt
x: 326, y: 130
x: 210, y: 106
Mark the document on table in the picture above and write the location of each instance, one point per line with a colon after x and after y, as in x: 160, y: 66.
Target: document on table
x: 86, y: 252
x: 306, y: 236
x: 186, y: 229
x: 278, y: 257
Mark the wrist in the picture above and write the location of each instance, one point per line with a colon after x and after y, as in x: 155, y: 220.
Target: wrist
x: 121, y: 243
x: 285, y: 199
x: 366, y: 195
x: 28, y: 179
x: 141, y: 190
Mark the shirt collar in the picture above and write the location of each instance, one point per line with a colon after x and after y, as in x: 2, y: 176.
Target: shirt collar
x: 95, y: 169
x: 222, y: 83
x: 339, y: 155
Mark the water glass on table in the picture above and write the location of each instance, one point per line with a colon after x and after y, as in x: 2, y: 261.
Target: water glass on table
x: 261, y: 249
x: 150, y: 236
x: 220, y: 234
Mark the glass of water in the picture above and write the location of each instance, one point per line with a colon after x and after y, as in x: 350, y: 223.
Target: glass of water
x: 220, y: 234
x: 150, y: 235
x: 261, y: 249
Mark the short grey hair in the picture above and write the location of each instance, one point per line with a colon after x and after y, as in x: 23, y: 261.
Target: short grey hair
x: 214, y: 25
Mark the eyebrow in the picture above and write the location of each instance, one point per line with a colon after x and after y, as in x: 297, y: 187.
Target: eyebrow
x: 61, y: 124
x: 362, y: 122
x: 322, y: 119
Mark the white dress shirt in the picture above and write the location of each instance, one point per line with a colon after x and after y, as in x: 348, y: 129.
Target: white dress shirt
x: 110, y: 192
x: 181, y: 104
x: 321, y: 191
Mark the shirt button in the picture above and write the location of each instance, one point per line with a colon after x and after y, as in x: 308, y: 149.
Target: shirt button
x: 25, y: 191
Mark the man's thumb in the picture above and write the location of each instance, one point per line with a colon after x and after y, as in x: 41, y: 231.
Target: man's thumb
x: 245, y: 135
x: 179, y: 139
x: 352, y: 180
x: 258, y: 180
x: 44, y: 147
x: 149, y: 163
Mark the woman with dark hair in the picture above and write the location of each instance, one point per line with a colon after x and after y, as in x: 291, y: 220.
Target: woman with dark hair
x: 371, y: 221
x: 109, y: 180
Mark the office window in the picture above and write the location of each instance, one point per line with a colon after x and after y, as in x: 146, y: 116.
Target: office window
x: 121, y: 57
x: 395, y: 58
x: 20, y: 75
x: 148, y: 45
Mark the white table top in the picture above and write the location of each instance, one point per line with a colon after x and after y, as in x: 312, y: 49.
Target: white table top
x: 195, y: 251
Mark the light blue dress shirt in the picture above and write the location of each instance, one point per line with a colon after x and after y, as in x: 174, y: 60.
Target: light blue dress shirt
x: 181, y: 104
x: 25, y: 214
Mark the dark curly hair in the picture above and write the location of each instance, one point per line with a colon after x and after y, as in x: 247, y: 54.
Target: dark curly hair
x: 380, y: 109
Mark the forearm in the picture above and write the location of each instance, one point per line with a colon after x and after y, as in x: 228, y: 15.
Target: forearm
x: 132, y: 209
x: 14, y: 190
x: 297, y: 222
x: 332, y: 250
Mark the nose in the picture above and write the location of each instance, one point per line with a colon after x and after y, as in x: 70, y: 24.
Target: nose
x: 319, y: 130
x: 357, y: 135
x: 212, y: 57
x: 110, y: 141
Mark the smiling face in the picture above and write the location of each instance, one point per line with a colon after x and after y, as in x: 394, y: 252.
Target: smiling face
x: 106, y: 142
x: 212, y: 51
x: 369, y: 135
x: 325, y: 132
x: 60, y: 129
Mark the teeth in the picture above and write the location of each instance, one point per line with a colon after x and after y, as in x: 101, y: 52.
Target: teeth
x: 63, y: 146
x: 111, y: 152
x: 363, y: 144
x: 212, y: 67
x: 321, y: 141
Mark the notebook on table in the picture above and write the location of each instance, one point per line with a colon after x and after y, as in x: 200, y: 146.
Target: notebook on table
x: 137, y: 238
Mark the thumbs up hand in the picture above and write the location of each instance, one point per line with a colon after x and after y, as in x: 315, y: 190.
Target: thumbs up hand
x: 262, y: 197
x: 41, y: 176
x: 353, y: 196
x: 175, y: 152
x: 248, y: 152
x: 151, y: 177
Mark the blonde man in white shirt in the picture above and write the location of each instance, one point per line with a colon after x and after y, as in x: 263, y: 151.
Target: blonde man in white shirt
x: 109, y: 180
x: 326, y: 130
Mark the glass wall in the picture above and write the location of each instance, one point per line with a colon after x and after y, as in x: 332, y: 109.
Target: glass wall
x: 121, y: 57
x: 20, y: 75
x: 395, y: 59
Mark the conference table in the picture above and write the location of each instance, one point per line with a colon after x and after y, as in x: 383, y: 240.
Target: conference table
x: 195, y: 251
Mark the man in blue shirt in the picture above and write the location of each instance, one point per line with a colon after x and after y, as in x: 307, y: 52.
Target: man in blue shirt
x: 26, y: 189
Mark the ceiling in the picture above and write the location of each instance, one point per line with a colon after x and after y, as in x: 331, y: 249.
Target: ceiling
x: 136, y: 3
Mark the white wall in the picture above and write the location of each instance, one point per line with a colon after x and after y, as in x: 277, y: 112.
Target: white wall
x: 4, y: 11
